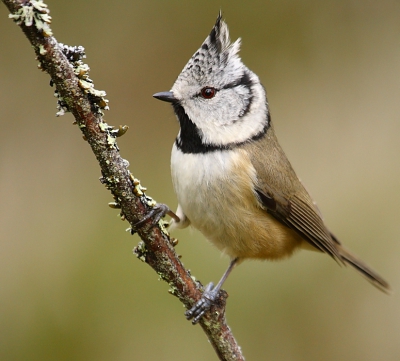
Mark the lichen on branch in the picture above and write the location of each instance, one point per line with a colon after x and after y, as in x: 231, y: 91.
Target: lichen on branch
x: 76, y: 93
x: 34, y: 12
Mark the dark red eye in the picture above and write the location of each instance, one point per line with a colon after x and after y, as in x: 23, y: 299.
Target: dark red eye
x: 208, y: 92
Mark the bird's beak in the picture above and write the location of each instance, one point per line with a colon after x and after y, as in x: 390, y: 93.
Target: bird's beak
x: 165, y: 96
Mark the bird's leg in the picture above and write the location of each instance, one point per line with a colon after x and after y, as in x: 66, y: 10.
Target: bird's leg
x: 208, y: 297
x: 158, y: 211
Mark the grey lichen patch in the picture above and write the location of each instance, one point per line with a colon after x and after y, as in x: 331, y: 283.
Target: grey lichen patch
x: 111, y: 140
x: 104, y: 126
x: 34, y: 12
x: 149, y: 201
x: 75, y: 54
x: 126, y: 162
x: 160, y: 276
x: 42, y: 50
x: 172, y: 289
x: 62, y: 106
x: 110, y: 181
x: 140, y: 251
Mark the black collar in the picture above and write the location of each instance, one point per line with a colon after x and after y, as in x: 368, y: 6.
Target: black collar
x: 189, y: 141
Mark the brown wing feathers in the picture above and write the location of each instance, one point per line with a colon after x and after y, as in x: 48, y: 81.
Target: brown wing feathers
x: 281, y: 194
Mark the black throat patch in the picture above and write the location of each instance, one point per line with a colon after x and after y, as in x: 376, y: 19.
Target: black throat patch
x: 189, y: 141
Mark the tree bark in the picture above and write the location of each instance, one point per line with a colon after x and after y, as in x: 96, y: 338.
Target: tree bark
x: 77, y: 95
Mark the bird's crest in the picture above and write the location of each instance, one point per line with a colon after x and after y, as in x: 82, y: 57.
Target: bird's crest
x: 216, y: 54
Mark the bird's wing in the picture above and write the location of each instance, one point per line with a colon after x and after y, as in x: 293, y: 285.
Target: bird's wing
x: 280, y: 193
x: 298, y: 214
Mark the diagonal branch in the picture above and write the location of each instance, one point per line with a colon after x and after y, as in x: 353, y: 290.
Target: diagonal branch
x: 77, y: 95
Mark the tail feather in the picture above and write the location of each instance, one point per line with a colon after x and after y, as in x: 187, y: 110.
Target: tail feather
x: 364, y: 270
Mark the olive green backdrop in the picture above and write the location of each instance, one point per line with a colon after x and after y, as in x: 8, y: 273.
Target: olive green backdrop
x: 70, y: 287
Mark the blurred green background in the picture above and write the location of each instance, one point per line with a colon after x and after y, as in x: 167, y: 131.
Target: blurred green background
x: 70, y: 287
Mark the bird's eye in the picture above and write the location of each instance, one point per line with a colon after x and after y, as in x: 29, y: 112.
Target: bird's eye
x: 208, y: 92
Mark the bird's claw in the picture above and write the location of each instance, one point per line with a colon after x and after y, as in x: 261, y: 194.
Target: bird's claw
x: 207, y: 299
x: 158, y: 212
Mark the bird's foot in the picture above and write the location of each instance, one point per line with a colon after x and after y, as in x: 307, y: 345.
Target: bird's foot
x: 207, y: 299
x: 157, y: 212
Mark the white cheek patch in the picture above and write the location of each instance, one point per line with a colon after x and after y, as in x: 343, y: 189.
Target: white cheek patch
x: 236, y: 129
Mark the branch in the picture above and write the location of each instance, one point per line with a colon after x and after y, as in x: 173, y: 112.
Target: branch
x: 76, y: 94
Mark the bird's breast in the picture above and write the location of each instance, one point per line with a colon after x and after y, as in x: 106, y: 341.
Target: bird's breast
x: 216, y: 192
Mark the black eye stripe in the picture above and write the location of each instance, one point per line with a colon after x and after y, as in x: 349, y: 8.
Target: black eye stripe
x: 243, y: 80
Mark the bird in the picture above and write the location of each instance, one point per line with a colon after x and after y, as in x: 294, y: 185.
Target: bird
x: 231, y: 177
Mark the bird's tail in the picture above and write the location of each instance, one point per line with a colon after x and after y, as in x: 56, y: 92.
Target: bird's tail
x: 365, y: 270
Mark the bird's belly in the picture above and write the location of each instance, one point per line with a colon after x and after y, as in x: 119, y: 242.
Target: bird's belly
x: 216, y: 192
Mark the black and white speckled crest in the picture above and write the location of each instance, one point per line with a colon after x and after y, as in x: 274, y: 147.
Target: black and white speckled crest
x: 215, y: 59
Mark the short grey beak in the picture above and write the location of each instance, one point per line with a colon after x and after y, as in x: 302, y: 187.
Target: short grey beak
x: 165, y: 96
